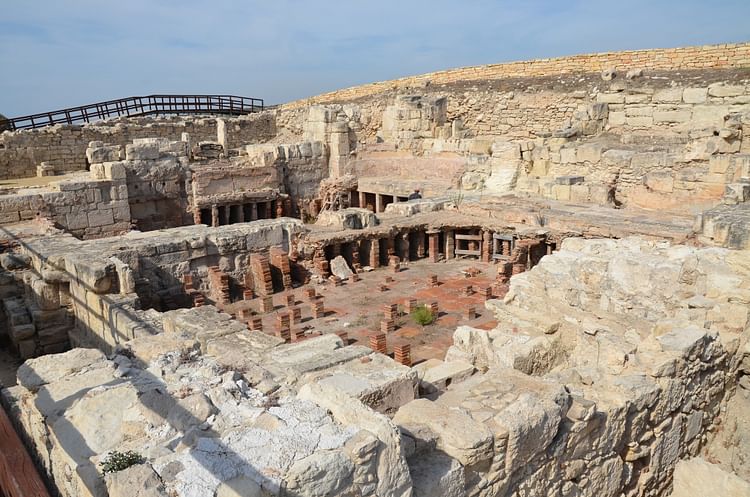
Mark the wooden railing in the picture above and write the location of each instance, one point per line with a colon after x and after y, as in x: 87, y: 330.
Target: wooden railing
x: 139, y: 106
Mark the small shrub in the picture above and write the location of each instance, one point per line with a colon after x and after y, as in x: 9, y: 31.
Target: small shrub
x: 118, y: 461
x: 422, y: 315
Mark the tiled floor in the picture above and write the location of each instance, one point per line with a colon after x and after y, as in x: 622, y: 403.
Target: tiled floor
x: 357, y: 308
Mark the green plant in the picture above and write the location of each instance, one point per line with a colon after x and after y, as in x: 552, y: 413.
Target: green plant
x: 422, y: 315
x: 118, y: 461
x: 457, y: 198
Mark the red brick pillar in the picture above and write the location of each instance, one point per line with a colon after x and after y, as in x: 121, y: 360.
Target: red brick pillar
x: 255, y: 323
x: 434, y: 245
x: 486, y: 246
x: 374, y: 253
x: 450, y: 244
x: 378, y: 343
x: 402, y: 354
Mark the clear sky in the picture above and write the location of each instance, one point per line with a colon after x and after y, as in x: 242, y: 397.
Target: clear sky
x: 59, y: 53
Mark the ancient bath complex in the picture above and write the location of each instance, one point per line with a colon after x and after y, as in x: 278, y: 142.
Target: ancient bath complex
x: 207, y: 296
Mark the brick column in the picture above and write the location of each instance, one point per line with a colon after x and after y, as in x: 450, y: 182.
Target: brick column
x: 362, y: 200
x: 434, y: 245
x: 486, y: 246
x: 240, y: 214
x: 374, y: 261
x: 378, y: 203
x: 214, y: 216
x: 197, y: 216
x: 253, y: 211
x: 450, y: 245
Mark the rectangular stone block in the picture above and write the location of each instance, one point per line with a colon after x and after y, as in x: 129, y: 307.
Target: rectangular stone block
x: 694, y: 95
x: 668, y: 96
x: 672, y: 116
x: 569, y: 180
x: 103, y: 217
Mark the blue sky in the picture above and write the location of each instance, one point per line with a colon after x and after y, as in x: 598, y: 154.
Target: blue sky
x: 56, y: 53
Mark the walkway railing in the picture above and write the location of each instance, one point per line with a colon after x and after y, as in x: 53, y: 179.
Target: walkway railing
x: 139, y: 106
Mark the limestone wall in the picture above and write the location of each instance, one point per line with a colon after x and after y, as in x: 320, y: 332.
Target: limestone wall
x: 87, y: 207
x: 64, y: 146
x: 709, y: 56
x: 593, y: 386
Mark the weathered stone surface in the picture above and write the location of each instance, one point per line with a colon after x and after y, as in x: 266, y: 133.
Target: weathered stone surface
x: 457, y: 434
x: 340, y: 268
x: 37, y: 372
x: 136, y: 481
x: 698, y: 477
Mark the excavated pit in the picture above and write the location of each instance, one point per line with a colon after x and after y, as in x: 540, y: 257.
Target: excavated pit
x: 237, y: 300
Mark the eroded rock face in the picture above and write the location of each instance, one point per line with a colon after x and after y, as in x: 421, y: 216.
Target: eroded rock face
x: 202, y: 430
x: 698, y: 477
x: 611, y: 362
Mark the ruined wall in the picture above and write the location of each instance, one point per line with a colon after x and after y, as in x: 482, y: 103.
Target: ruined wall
x: 64, y: 146
x: 592, y: 386
x: 709, y: 56
x: 88, y: 207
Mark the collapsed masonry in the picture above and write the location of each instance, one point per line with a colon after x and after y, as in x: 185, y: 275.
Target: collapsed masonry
x: 231, y: 298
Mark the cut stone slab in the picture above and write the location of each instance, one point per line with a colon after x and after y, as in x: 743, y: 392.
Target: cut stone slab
x: 340, y: 268
x: 436, y: 375
x: 136, y: 481
x: 47, y: 369
x: 696, y: 477
x: 380, y: 382
x: 458, y: 434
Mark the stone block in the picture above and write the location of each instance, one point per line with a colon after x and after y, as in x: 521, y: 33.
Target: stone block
x: 531, y: 424
x: 114, y: 171
x: 639, y: 111
x: 100, y: 217
x: 589, y: 153
x: 579, y: 193
x: 103, y: 153
x: 506, y: 150
x: 611, y: 98
x: 639, y: 122
x: 616, y: 118
x: 561, y: 192
x: 458, y: 435
x: 567, y: 155
x: 660, y: 181
x: 672, y: 116
x: 142, y: 151
x: 22, y: 331
x: 668, y: 96
x: 725, y: 90
x: 694, y: 95
x: 719, y: 164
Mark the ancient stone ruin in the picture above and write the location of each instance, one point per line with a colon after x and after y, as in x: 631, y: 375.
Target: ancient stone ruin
x: 252, y: 306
